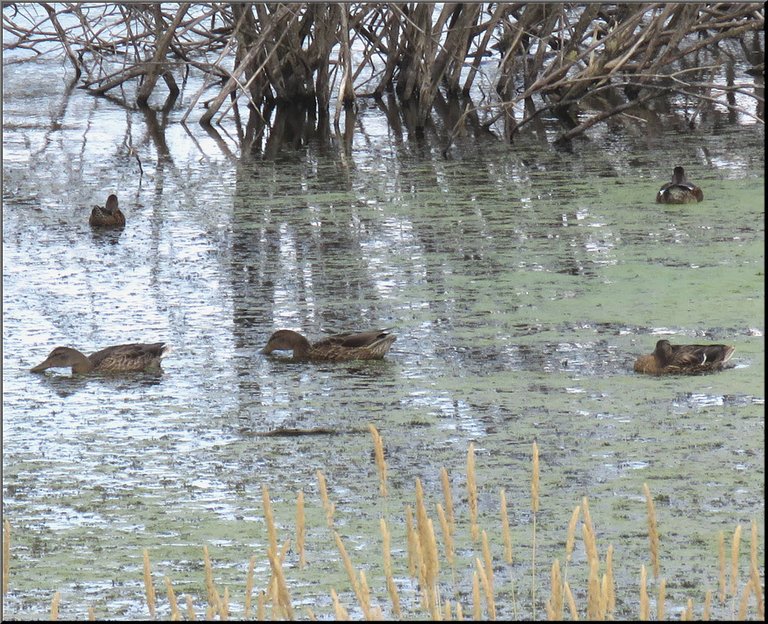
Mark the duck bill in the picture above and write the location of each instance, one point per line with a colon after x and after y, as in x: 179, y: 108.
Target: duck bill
x: 40, y: 367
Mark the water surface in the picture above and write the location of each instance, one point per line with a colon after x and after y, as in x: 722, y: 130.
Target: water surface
x: 522, y: 283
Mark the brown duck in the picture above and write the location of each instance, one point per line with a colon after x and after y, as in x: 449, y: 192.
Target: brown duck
x: 117, y: 359
x: 370, y: 345
x: 679, y: 190
x: 668, y: 359
x: 108, y: 216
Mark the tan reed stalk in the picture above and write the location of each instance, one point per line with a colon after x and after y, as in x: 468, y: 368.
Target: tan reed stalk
x: 386, y: 548
x: 474, y: 530
x: 328, y: 506
x: 570, y: 540
x: 6, y: 555
x: 571, y: 601
x: 338, y: 609
x: 611, y: 605
x: 300, y: 528
x: 273, y: 586
x: 755, y: 573
x: 210, y: 612
x: 735, y: 559
x: 487, y: 589
x: 310, y: 614
x: 249, y: 586
x: 660, y: 600
x: 721, y: 553
x: 644, y: 607
x: 269, y: 519
x: 364, y: 590
x: 487, y: 560
x: 653, y: 532
x: 91, y: 614
x: 476, y: 608
x: 506, y: 534
x: 213, y: 594
x: 351, y: 573
x: 744, y: 602
x: 688, y: 614
x: 421, y: 514
x: 284, y: 598
x: 190, y: 608
x: 224, y: 606
x: 148, y: 586
x: 593, y: 591
x: 428, y: 550
x: 378, y: 448
x: 534, y: 509
x: 412, y: 543
x: 706, y: 614
x: 585, y: 513
x: 449, y: 553
x: 448, y: 498
x: 556, y: 592
x: 535, y: 480
x: 175, y: 613
x: 447, y: 611
x: 459, y: 612
x: 260, y: 606
x: 604, y: 591
x: 433, y: 566
x: 550, y: 611
x: 590, y: 545
x: 55, y: 606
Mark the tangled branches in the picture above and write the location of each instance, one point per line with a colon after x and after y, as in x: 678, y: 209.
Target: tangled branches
x: 515, y: 60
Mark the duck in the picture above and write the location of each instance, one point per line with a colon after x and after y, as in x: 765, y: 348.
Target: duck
x: 108, y: 216
x: 668, y: 359
x: 679, y: 190
x: 368, y: 345
x: 123, y: 358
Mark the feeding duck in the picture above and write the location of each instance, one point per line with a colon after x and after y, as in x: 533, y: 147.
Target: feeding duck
x: 108, y: 216
x: 679, y: 190
x: 370, y: 345
x: 669, y: 359
x: 117, y: 359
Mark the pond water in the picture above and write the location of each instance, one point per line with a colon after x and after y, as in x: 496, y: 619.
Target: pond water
x: 521, y: 281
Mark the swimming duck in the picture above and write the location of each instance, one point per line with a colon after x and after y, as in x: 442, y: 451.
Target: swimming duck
x: 679, y: 190
x: 117, y: 359
x: 370, y: 345
x: 108, y: 216
x: 667, y: 359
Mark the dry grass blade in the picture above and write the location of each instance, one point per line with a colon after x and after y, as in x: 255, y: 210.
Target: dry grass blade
x: 735, y: 559
x: 148, y: 586
x: 386, y: 551
x: 644, y: 606
x: 378, y: 448
x: 249, y: 586
x: 653, y: 532
x: 448, y: 498
x: 284, y: 598
x: 55, y: 606
x: 506, y: 534
x: 449, y: 554
x: 328, y: 506
x: 175, y: 613
x: 721, y: 555
x: 472, y: 493
x: 755, y: 573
